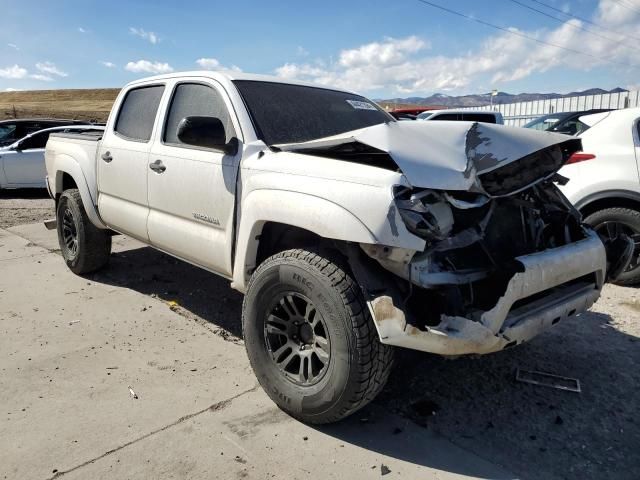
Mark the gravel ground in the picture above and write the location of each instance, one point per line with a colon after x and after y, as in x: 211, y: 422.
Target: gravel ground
x: 534, y: 431
x: 22, y: 206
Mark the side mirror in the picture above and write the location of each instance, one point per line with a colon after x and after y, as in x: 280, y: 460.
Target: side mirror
x: 206, y: 132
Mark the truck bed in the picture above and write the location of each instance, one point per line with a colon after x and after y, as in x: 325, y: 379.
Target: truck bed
x: 90, y: 135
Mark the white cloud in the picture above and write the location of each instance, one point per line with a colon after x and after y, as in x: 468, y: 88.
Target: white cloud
x: 41, y: 77
x: 148, y: 67
x: 82, y: 30
x: 214, y: 64
x: 142, y: 33
x: 12, y: 89
x: 301, y: 51
x: 208, y: 63
x: 391, y: 51
x: 405, y: 65
x: 108, y: 64
x: 14, y: 72
x: 13, y: 45
x: 50, y: 68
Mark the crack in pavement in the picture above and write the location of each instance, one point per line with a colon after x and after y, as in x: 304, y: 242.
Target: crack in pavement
x: 216, y: 407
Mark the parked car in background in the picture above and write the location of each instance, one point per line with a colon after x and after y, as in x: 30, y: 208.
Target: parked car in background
x: 482, y: 116
x: 407, y: 113
x: 347, y: 231
x: 22, y: 163
x: 603, y: 179
x: 563, y: 122
x: 13, y: 130
x: 402, y: 116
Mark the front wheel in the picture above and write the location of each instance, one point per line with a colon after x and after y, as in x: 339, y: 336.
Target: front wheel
x: 85, y: 247
x: 310, y: 338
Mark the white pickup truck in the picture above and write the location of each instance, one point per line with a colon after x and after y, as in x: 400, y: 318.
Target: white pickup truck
x: 348, y: 232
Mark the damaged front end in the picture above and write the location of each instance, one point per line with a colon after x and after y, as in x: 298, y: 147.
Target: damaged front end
x: 502, y: 262
x: 495, y: 272
x: 505, y: 254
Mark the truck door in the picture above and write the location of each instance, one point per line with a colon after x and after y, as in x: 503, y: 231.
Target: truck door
x: 191, y: 188
x: 123, y: 162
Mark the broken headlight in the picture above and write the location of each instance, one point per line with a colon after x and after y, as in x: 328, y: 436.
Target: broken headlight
x: 425, y: 213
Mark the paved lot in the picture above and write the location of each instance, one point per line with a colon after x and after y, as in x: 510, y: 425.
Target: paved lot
x: 71, y: 346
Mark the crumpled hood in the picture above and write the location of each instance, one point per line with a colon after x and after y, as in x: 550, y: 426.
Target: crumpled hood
x: 444, y: 154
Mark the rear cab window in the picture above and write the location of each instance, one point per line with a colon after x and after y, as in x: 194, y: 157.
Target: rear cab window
x: 138, y: 113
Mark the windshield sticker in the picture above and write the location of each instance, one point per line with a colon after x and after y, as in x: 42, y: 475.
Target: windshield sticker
x: 359, y: 105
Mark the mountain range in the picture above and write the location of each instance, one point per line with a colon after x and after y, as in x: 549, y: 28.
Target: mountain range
x: 477, y: 100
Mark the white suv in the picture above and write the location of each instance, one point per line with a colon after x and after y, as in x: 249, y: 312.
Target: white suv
x: 604, y: 181
x: 451, y: 114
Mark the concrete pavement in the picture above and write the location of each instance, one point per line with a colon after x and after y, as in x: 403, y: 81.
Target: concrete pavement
x: 70, y: 348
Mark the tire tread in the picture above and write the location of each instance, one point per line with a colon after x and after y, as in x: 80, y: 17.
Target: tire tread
x: 375, y: 359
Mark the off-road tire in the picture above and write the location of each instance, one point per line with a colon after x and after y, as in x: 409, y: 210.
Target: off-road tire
x: 358, y: 365
x: 631, y: 219
x: 93, y: 244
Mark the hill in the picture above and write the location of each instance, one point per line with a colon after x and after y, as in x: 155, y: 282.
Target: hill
x: 80, y: 104
x: 479, y: 100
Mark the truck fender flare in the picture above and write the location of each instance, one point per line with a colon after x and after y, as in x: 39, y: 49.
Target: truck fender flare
x: 66, y: 164
x: 315, y: 214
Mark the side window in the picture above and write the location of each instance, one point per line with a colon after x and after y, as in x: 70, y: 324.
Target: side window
x: 194, y: 99
x: 445, y: 116
x: 479, y: 117
x: 138, y: 112
x: 39, y: 140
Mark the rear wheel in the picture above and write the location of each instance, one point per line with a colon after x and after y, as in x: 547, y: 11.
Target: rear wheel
x: 611, y: 223
x: 85, y: 248
x: 310, y: 338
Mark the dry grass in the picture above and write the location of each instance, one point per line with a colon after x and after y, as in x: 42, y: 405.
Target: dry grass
x: 80, y: 104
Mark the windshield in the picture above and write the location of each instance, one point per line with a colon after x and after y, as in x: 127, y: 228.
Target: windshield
x: 6, y: 132
x: 424, y: 115
x: 284, y: 113
x: 546, y: 122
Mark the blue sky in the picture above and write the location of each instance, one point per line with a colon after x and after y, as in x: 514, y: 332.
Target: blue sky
x: 380, y: 48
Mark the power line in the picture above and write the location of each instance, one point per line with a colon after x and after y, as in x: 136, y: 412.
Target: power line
x: 582, y: 19
x: 577, y: 27
x: 629, y: 7
x: 522, y: 35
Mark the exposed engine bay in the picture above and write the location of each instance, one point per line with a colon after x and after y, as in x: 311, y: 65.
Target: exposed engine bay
x: 473, y: 241
x: 476, y: 255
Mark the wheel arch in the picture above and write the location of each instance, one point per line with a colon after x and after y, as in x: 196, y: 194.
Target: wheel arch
x: 69, y: 175
x: 608, y: 199
x: 272, y: 221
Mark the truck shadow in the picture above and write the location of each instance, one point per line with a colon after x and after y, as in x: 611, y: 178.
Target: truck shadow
x: 194, y: 290
x: 533, y: 431
x: 26, y: 193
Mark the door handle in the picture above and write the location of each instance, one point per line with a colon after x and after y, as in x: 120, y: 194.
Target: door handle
x: 106, y: 156
x: 157, y: 166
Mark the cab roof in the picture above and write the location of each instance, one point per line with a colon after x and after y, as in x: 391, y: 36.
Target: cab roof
x: 228, y: 76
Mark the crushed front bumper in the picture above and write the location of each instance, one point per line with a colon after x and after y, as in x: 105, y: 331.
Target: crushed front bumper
x: 555, y: 284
